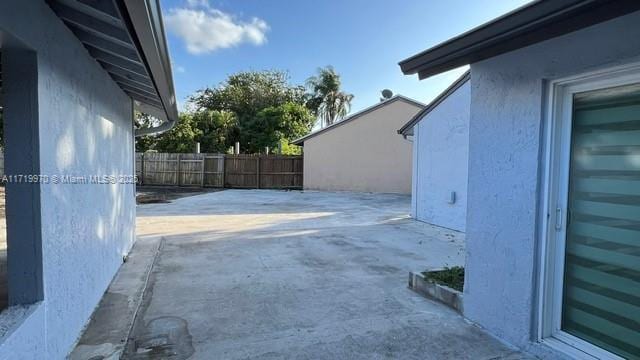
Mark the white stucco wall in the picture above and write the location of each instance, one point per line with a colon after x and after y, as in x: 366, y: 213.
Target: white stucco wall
x: 365, y: 154
x: 507, y: 101
x: 441, y: 147
x: 85, y: 129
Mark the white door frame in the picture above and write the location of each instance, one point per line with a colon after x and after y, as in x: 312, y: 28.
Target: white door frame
x: 554, y: 194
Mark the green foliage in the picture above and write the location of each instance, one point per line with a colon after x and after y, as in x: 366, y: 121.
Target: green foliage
x: 257, y: 108
x: 246, y: 93
x: 288, y: 149
x: 327, y: 101
x: 182, y: 138
x: 452, y: 277
x: 265, y: 109
x: 148, y: 142
x: 276, y: 123
x: 217, y: 130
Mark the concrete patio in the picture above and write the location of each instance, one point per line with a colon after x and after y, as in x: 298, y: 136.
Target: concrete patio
x: 258, y: 274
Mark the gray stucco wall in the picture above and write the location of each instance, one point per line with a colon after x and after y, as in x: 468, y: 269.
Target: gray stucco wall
x: 85, y: 129
x: 507, y: 101
x: 441, y: 148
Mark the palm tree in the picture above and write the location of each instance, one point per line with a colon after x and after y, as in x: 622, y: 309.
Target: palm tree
x: 326, y: 100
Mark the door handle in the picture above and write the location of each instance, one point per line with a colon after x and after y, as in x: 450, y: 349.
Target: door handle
x: 558, y: 218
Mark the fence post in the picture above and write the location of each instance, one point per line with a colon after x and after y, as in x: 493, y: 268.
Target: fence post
x: 202, y: 169
x: 178, y: 170
x: 258, y: 172
x: 142, y: 170
x: 221, y: 165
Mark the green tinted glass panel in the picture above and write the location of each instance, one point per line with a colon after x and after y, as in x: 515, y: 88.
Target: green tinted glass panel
x: 601, y: 300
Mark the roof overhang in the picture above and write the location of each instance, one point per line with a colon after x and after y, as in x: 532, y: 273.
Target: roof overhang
x: 127, y: 39
x: 407, y: 129
x: 357, y: 115
x: 535, y: 22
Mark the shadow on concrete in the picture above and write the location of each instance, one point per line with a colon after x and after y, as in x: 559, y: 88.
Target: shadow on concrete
x: 270, y: 275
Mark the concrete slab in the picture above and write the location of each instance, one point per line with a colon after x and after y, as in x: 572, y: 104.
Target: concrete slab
x: 259, y: 274
x: 268, y: 274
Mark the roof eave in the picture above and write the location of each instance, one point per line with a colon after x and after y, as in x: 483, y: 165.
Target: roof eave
x: 532, y: 23
x: 143, y: 18
x: 407, y: 129
x: 127, y: 39
x: 300, y: 141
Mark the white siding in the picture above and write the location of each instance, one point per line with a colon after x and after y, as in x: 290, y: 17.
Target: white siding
x: 440, y: 164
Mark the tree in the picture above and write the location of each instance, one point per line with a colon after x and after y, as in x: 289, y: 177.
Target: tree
x: 286, y: 148
x: 327, y: 101
x: 182, y: 138
x: 146, y: 142
x: 245, y: 95
x: 217, y: 130
x: 277, y: 123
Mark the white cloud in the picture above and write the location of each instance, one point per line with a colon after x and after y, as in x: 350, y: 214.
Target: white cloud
x: 180, y: 69
x: 205, y: 29
x: 197, y: 3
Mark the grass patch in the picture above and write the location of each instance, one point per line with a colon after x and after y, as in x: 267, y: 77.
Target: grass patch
x: 452, y: 277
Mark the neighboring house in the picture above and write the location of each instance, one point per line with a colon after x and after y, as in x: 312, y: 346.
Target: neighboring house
x: 553, y: 215
x: 362, y: 152
x: 73, y: 71
x: 440, y: 136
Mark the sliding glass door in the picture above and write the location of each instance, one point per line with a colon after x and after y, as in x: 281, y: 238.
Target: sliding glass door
x: 601, y: 267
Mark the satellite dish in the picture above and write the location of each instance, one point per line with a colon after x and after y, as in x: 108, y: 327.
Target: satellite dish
x: 386, y: 94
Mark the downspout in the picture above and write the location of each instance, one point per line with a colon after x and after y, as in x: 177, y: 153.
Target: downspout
x: 406, y: 137
x: 166, y: 125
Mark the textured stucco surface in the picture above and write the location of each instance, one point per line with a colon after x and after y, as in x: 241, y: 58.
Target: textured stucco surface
x: 85, y: 129
x: 440, y: 162
x: 507, y: 101
x: 366, y: 154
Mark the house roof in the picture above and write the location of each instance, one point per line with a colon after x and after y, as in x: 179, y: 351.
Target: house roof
x: 358, y: 115
x: 535, y: 22
x: 407, y: 129
x: 127, y: 39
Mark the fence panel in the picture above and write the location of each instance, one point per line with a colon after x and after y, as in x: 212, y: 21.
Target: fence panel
x: 281, y: 172
x: 218, y: 170
x: 160, y: 169
x: 241, y: 171
x: 139, y: 167
x: 213, y: 170
x: 190, y: 169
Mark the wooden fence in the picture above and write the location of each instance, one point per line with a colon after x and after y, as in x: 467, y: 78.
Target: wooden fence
x: 220, y: 170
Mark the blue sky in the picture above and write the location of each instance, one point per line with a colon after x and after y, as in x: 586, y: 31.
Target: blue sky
x: 363, y: 39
